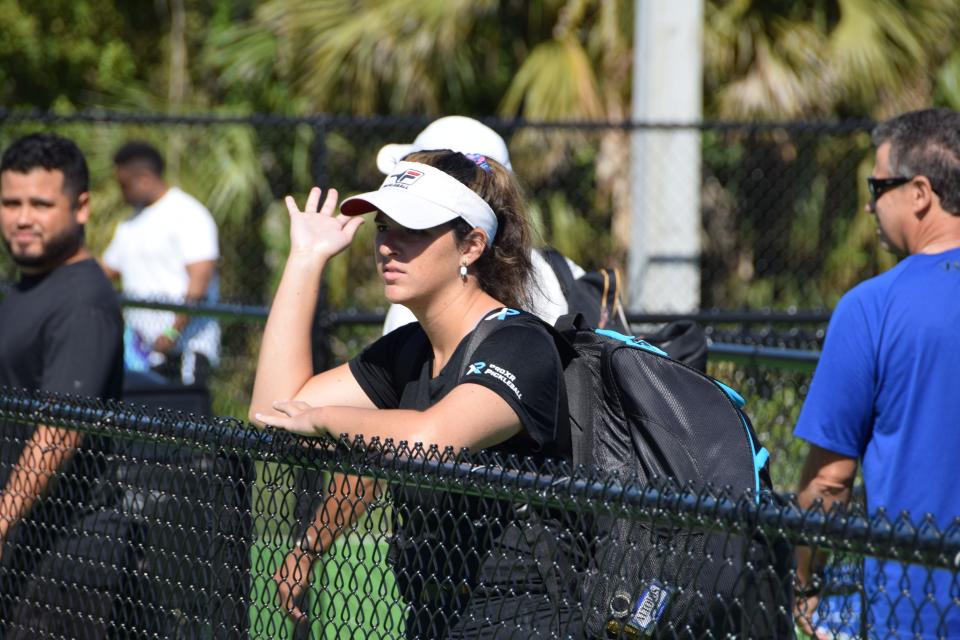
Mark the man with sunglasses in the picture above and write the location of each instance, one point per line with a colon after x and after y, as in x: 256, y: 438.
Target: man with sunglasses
x: 885, y: 389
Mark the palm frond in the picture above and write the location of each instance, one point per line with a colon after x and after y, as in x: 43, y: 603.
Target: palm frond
x: 555, y: 82
x: 359, y: 56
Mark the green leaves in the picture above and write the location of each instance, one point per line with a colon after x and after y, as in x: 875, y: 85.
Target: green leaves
x: 555, y: 82
x: 775, y: 60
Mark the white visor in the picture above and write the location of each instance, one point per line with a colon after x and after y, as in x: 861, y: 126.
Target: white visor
x: 419, y: 196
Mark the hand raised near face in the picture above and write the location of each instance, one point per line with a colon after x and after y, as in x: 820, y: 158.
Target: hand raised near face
x: 318, y: 231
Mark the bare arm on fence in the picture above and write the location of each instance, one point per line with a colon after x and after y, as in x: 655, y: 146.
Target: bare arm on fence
x: 828, y: 477
x: 285, y: 371
x: 469, y: 416
x: 46, y: 451
x: 285, y: 364
x: 347, y: 500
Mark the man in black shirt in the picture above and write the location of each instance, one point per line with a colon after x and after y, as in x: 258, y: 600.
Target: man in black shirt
x: 60, y: 331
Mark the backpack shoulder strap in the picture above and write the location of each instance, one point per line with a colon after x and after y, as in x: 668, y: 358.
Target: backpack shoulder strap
x: 480, y: 333
x: 562, y: 339
x: 560, y: 268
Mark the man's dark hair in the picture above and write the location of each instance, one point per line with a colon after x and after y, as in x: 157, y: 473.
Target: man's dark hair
x: 49, y: 151
x: 926, y: 143
x: 142, y: 153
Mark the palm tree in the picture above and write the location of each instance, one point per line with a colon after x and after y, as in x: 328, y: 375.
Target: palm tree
x: 780, y: 60
x: 546, y: 60
x: 776, y: 59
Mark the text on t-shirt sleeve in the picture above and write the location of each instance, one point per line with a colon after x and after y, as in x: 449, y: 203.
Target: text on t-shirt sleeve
x: 519, y: 362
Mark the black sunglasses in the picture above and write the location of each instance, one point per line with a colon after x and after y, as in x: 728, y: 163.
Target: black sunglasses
x: 879, y: 186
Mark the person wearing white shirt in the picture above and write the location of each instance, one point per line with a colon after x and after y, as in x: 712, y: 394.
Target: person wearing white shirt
x: 166, y: 251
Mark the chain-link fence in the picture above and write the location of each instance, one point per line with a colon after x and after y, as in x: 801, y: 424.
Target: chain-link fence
x: 780, y: 228
x: 768, y: 357
x: 167, y: 525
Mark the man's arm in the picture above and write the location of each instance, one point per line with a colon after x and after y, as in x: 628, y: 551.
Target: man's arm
x: 112, y: 273
x: 81, y: 354
x: 828, y: 477
x: 46, y: 451
x: 348, y: 498
x: 199, y: 275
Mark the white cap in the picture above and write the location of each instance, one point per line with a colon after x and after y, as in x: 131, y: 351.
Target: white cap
x: 457, y: 133
x: 419, y: 196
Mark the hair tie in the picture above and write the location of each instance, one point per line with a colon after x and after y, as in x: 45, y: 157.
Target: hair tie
x: 480, y: 161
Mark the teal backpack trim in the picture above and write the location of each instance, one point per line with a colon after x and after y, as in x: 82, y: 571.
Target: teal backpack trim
x: 760, y: 457
x: 632, y: 341
x: 732, y: 394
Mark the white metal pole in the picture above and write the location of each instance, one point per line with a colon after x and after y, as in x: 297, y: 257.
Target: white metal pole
x: 664, y: 258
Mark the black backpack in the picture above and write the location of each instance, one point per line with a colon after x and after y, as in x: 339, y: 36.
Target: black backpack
x: 596, y: 296
x: 636, y: 412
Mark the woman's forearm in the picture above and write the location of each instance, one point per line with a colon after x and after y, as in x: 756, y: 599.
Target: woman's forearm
x: 469, y: 416
x: 285, y: 362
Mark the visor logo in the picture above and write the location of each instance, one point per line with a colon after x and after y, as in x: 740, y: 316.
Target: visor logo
x: 403, y: 179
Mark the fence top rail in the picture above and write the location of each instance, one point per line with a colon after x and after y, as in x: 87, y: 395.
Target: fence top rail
x: 106, y: 116
x: 733, y: 316
x: 801, y: 359
x: 552, y: 484
x: 360, y: 316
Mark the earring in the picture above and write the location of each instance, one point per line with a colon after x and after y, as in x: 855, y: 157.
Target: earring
x: 463, y: 271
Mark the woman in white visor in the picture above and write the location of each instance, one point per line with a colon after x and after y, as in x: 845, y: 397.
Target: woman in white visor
x: 453, y: 245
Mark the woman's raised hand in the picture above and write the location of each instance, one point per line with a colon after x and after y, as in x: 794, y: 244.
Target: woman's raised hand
x: 317, y: 230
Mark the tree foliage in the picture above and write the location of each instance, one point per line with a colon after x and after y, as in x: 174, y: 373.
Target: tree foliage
x: 818, y: 60
x: 844, y: 58
x: 544, y: 60
x: 781, y: 206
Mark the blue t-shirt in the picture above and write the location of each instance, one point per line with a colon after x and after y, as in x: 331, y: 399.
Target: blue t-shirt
x: 886, y: 392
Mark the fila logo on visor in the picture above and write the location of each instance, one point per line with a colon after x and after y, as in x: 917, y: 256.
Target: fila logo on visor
x: 404, y: 179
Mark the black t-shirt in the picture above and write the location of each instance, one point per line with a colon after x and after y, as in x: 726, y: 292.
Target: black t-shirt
x: 61, y: 332
x: 518, y: 361
x: 451, y: 551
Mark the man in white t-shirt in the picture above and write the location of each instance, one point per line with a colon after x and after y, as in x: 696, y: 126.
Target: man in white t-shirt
x: 166, y: 251
x: 466, y: 135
